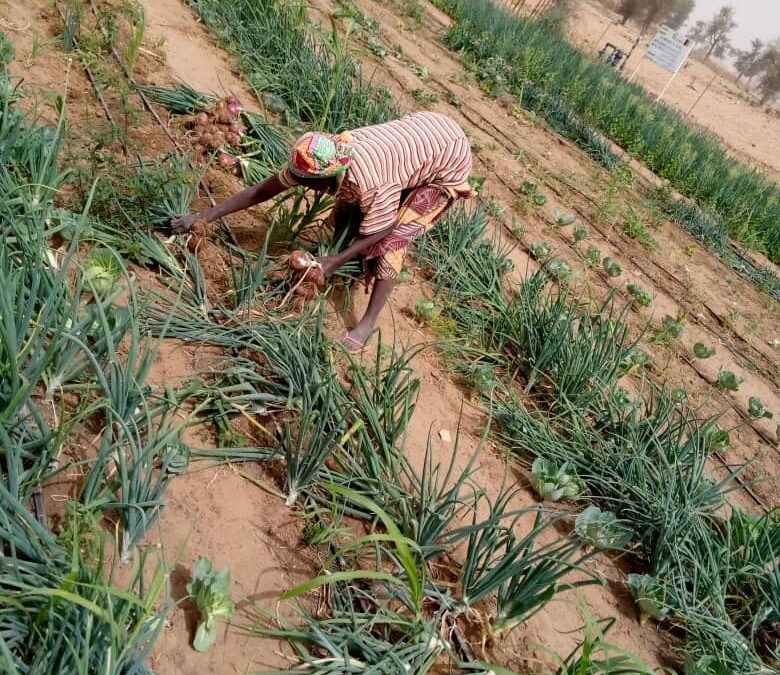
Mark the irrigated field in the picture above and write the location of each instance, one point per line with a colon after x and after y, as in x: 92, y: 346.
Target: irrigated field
x: 558, y: 455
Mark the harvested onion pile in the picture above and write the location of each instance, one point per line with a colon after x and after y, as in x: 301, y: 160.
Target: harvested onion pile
x: 218, y: 130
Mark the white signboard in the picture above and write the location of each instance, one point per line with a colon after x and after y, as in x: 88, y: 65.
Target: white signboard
x: 667, y: 49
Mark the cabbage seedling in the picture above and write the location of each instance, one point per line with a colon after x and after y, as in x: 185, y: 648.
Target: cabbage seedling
x: 639, y: 295
x: 539, y: 250
x: 602, y: 529
x: 559, y: 270
x: 717, y: 439
x: 425, y: 309
x: 649, y: 597
x: 757, y: 409
x: 210, y: 591
x: 634, y: 360
x: 592, y: 257
x: 612, y: 267
x: 702, y: 351
x: 728, y: 381
x: 554, y: 483
x: 101, y: 271
x: 580, y: 233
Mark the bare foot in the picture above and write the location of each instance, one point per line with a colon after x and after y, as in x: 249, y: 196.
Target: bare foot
x: 355, y: 340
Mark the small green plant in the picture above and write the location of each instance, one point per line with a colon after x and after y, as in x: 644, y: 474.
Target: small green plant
x: 494, y: 208
x: 423, y: 97
x: 757, y: 409
x: 558, y: 270
x: 592, y: 257
x: 639, y: 295
x: 728, y: 381
x: 453, y: 99
x: 6, y: 50
x: 210, y: 591
x: 649, y: 597
x: 553, y: 482
x: 426, y: 310
x: 717, y: 439
x: 671, y: 329
x: 633, y: 361
x: 102, y: 270
x: 581, y: 233
x: 595, y: 656
x: 602, y: 529
x: 477, y: 182
x: 612, y: 267
x: 635, y: 229
x: 702, y: 351
x: 539, y: 250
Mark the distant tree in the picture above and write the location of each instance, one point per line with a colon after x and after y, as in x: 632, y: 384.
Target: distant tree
x: 715, y: 34
x: 680, y: 13
x: 769, y: 86
x: 648, y: 12
x: 748, y: 61
x: 630, y: 9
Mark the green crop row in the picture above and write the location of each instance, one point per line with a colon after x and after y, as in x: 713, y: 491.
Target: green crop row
x: 315, y: 82
x: 531, y: 59
x: 643, y: 460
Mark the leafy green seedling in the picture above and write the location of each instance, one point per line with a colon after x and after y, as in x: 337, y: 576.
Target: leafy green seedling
x: 702, y: 351
x: 559, y: 270
x: 639, y: 295
x: 649, y: 597
x: 728, y: 381
x: 581, y: 233
x: 612, y: 267
x: 553, y: 482
x: 425, y: 309
x: 592, y: 257
x: 602, y: 529
x: 210, y: 591
x: 102, y: 270
x: 757, y: 409
x: 539, y: 250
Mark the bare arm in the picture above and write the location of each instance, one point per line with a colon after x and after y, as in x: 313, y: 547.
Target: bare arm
x: 332, y: 262
x: 257, y: 194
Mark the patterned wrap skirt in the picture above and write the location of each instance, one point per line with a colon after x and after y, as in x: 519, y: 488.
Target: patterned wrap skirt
x: 420, y: 210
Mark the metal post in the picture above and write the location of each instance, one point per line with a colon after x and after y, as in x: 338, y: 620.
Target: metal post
x: 701, y: 96
x: 674, y: 75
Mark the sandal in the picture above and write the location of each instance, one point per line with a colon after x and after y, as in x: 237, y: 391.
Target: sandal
x: 352, y: 345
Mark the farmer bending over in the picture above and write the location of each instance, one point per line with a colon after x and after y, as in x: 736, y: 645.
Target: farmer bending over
x: 392, y: 182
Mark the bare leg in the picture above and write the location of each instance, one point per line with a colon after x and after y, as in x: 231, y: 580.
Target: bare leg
x: 379, y: 295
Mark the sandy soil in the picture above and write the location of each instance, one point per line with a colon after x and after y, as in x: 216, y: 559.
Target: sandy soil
x: 219, y: 513
x: 727, y: 109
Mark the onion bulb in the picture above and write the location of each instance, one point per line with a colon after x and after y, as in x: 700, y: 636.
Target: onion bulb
x: 227, y: 160
x: 233, y: 106
x: 301, y: 260
x: 202, y: 119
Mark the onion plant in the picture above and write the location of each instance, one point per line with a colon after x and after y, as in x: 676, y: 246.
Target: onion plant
x: 522, y: 573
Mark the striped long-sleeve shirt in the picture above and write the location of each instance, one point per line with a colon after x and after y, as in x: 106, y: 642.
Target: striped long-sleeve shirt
x: 424, y: 148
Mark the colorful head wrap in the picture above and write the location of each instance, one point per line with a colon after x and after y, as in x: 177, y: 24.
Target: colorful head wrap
x: 318, y: 155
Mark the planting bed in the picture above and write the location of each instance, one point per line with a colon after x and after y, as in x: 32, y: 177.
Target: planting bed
x: 323, y: 428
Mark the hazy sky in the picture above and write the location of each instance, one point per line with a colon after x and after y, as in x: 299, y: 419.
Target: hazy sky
x: 756, y: 18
